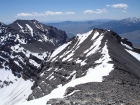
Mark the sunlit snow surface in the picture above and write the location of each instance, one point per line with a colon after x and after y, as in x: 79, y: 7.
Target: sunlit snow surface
x: 21, y: 27
x: 80, y: 38
x: 17, y: 91
x: 94, y: 74
x: 127, y: 46
x: 31, y: 30
x: 59, y: 49
x: 136, y: 55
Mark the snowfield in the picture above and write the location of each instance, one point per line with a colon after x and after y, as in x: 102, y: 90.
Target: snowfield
x: 59, y: 49
x: 127, y: 46
x: 18, y: 89
x: 136, y: 55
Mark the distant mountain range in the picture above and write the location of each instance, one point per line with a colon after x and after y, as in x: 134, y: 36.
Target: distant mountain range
x: 74, y: 27
x: 121, y: 26
x: 128, y: 25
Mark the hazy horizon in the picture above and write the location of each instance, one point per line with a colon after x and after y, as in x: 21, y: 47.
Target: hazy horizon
x: 67, y: 20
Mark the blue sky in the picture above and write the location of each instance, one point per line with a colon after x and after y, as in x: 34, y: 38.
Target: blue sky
x: 62, y: 10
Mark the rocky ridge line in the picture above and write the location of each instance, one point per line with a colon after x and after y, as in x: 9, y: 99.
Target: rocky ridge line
x: 63, y: 67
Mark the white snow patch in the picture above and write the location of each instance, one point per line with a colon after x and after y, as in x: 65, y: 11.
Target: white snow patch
x: 83, y: 63
x: 45, y: 37
x: 70, y: 59
x: 30, y: 29
x: 4, y: 58
x: 21, y: 59
x: 42, y: 74
x: 95, y: 35
x: 18, y: 64
x: 71, y: 74
x: 105, y: 56
x: 34, y: 63
x: 51, y: 77
x: 82, y: 37
x: 59, y: 86
x: 94, y: 47
x: 68, y: 56
x: 17, y: 37
x: 49, y: 69
x: 127, y: 46
x: 17, y: 48
x: 40, y: 40
x: 70, y: 53
x: 22, y: 41
x: 78, y: 61
x: 20, y: 27
x: 40, y: 56
x: 59, y: 49
x: 136, y: 55
x: 72, y: 93
x: 52, y: 41
x: 74, y: 77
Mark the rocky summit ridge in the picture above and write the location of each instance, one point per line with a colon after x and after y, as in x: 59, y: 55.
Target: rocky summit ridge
x: 95, y: 68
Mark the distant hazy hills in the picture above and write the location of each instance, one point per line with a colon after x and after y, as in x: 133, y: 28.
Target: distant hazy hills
x: 121, y: 26
x: 74, y: 27
x: 127, y: 28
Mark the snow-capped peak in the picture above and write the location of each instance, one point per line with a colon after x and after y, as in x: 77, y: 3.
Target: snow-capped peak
x: 132, y: 20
